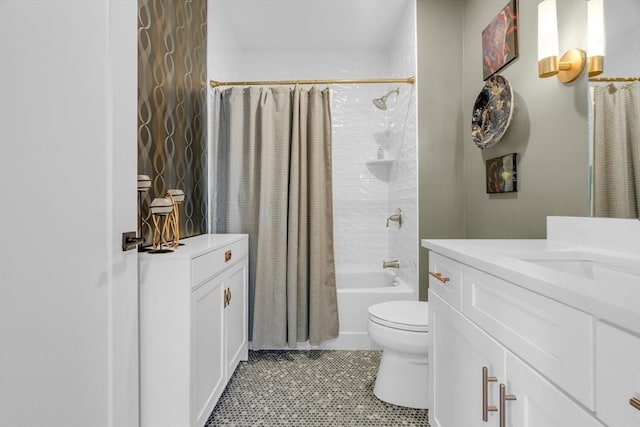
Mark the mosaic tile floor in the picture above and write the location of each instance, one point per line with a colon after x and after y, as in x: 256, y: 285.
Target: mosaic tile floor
x: 309, y: 389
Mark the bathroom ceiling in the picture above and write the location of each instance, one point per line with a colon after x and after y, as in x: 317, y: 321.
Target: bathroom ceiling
x: 312, y: 24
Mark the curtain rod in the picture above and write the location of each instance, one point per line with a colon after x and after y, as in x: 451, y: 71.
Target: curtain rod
x: 214, y: 83
x: 614, y: 79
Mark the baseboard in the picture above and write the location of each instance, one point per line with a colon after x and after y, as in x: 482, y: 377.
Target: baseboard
x: 345, y: 341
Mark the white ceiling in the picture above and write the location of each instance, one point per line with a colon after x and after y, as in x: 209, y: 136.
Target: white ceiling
x: 312, y: 24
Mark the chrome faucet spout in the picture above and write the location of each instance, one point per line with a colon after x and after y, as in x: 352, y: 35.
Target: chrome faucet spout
x: 391, y: 264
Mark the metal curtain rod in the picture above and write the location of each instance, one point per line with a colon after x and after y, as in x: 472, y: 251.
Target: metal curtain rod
x: 214, y: 83
x: 614, y: 79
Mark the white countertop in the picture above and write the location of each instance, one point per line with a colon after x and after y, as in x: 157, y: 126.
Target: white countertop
x: 194, y: 247
x: 618, y: 303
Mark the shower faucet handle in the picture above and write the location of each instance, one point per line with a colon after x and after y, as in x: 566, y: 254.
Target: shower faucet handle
x: 396, y: 217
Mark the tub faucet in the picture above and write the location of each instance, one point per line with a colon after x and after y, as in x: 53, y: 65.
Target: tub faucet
x: 391, y: 264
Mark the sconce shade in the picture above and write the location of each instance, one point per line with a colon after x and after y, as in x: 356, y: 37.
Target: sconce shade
x: 144, y: 183
x: 161, y: 206
x: 570, y: 66
x: 596, y: 41
x: 177, y: 194
x: 547, y: 39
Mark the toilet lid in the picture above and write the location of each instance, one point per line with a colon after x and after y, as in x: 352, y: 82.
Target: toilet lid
x: 405, y: 315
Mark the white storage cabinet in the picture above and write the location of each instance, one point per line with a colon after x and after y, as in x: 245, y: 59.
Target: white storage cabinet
x: 193, y: 328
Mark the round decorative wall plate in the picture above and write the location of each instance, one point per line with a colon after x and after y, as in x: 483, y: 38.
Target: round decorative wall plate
x: 492, y: 112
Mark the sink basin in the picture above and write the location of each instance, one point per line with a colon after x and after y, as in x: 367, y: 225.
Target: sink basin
x: 587, y: 265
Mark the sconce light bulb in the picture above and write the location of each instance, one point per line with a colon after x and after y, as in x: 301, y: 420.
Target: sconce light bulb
x: 596, y: 40
x: 547, y: 30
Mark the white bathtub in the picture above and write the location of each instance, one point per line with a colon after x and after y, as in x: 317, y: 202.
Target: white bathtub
x: 356, y: 292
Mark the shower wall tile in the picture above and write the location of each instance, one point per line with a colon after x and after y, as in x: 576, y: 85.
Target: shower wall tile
x: 360, y: 198
x: 403, y: 190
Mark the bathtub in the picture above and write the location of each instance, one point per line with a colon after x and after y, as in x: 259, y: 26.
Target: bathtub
x: 356, y: 292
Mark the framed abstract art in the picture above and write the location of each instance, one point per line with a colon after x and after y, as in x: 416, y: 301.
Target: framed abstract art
x: 500, y: 40
x: 501, y: 174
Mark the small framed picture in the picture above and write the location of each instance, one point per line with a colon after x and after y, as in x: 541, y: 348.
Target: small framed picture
x: 501, y: 174
x: 500, y: 40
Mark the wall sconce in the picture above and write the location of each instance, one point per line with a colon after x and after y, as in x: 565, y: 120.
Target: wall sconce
x: 595, y: 37
x: 571, y: 63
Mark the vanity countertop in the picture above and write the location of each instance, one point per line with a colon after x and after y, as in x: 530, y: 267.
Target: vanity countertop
x: 195, y: 246
x: 616, y: 301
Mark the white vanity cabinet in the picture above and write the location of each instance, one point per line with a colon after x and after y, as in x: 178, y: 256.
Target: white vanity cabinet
x: 618, y: 376
x: 500, y: 358
x: 193, y: 328
x: 458, y: 352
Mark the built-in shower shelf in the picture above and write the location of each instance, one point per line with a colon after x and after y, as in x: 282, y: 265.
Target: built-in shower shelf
x: 380, y: 162
x: 380, y: 168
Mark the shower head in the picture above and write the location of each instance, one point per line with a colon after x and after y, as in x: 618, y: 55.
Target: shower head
x: 381, y: 102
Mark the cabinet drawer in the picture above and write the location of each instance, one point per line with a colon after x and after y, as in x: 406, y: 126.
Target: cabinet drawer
x: 444, y: 278
x: 211, y: 263
x: 557, y: 340
x: 617, y: 376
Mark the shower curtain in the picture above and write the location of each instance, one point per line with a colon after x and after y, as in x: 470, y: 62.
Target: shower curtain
x: 273, y: 182
x: 617, y: 151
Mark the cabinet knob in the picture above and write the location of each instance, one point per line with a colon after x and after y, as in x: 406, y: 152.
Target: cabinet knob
x: 486, y: 379
x: 635, y: 402
x: 227, y: 256
x: 503, y: 398
x: 439, y: 276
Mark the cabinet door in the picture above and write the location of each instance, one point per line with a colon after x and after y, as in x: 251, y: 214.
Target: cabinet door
x: 207, y: 363
x: 617, y: 376
x: 538, y: 402
x: 458, y: 352
x: 235, y: 317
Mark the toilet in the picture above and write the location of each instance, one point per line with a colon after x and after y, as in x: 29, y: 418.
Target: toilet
x: 400, y: 328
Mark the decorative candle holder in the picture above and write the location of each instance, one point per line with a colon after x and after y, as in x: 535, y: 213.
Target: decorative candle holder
x: 144, y: 184
x: 177, y: 197
x: 161, y: 211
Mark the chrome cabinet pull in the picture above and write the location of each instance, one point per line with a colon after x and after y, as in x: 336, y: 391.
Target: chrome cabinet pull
x: 503, y: 398
x: 486, y: 379
x: 439, y: 276
x: 635, y: 402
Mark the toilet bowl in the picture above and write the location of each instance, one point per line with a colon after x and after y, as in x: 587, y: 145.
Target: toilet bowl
x: 400, y: 328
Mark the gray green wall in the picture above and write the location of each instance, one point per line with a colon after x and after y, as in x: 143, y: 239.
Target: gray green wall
x: 548, y: 129
x: 440, y: 122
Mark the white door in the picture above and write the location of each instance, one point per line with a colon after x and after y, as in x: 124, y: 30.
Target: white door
x: 68, y: 294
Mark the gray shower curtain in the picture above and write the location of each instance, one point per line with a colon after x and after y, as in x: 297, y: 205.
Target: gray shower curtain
x: 273, y: 181
x: 616, y: 171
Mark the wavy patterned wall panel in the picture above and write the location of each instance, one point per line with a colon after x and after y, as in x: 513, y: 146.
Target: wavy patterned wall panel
x: 172, y: 93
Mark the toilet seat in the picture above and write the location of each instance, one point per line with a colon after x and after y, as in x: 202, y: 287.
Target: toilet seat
x: 412, y: 316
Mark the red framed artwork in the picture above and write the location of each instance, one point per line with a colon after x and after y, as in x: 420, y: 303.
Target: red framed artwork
x: 500, y: 40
